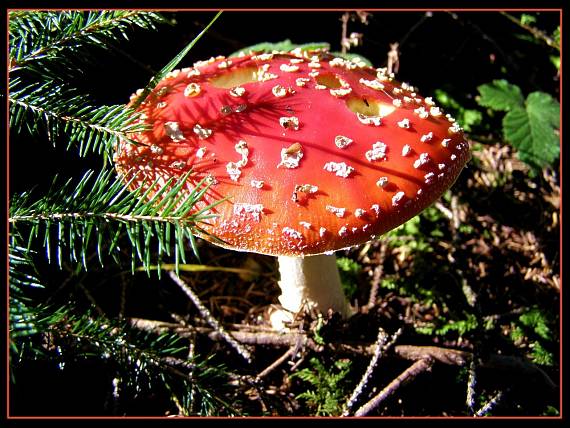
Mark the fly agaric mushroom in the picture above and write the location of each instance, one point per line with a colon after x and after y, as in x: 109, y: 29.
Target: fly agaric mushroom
x: 314, y: 153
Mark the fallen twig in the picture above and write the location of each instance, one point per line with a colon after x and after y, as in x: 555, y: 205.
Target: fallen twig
x: 376, y: 279
x: 290, y: 352
x: 442, y: 355
x: 210, y: 319
x: 379, y: 346
x: 471, y: 382
x: 410, y: 373
x: 460, y: 358
x: 487, y: 407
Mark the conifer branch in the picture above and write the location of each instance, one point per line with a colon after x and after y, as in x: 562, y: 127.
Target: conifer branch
x: 24, y: 317
x: 43, y: 35
x: 104, y: 204
x: 62, y: 111
x: 96, y: 215
x: 103, y: 216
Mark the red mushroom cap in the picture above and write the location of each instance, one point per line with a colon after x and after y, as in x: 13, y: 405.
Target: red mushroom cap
x: 314, y: 153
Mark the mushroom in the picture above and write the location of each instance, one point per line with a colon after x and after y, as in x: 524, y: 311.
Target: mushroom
x: 314, y: 154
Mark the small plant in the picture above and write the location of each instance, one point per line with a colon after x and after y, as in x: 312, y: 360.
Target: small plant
x: 461, y: 326
x: 533, y: 330
x: 530, y: 125
x: 468, y: 118
x: 409, y: 238
x: 349, y: 271
x: 329, y: 386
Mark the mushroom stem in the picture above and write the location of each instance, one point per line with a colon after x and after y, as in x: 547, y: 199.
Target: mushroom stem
x: 312, y: 280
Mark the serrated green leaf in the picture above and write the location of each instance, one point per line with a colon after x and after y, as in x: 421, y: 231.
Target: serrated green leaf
x: 544, y: 107
x: 531, y: 130
x: 500, y: 95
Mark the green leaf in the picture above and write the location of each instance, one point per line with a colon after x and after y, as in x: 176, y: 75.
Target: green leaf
x: 284, y: 45
x: 445, y: 99
x: 353, y: 57
x: 467, y: 118
x: 349, y: 271
x: 532, y: 129
x: 527, y: 19
x: 470, y: 118
x: 500, y: 95
x: 555, y: 60
x: 551, y: 411
x: 556, y: 36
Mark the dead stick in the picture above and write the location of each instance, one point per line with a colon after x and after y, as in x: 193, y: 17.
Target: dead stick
x: 290, y: 352
x: 443, y: 355
x: 343, y: 38
x: 210, y: 319
x: 471, y: 383
x: 487, y: 407
x: 460, y: 358
x: 410, y: 373
x: 377, y: 277
x: 379, y: 347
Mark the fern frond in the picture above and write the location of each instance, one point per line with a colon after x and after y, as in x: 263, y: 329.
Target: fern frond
x: 43, y: 35
x: 327, y: 390
x: 102, y: 206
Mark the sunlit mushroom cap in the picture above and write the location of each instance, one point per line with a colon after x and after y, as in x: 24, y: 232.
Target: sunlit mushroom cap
x: 314, y: 153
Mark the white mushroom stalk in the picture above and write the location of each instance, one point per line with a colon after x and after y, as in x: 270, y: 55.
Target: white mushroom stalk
x: 311, y: 282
